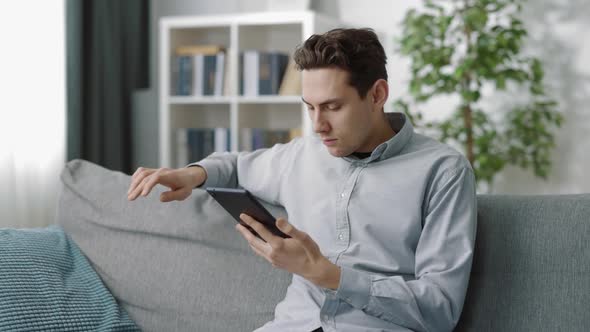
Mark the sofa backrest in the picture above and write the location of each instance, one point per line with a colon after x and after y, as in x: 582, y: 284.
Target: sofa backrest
x: 531, y: 270
x: 178, y: 266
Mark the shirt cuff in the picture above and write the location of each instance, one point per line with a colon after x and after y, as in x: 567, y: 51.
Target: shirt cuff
x: 212, y: 172
x: 355, y: 287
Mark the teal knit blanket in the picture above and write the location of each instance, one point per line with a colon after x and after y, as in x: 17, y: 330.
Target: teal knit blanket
x: 46, y: 284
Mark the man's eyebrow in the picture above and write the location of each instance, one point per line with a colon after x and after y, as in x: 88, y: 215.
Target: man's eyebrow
x: 329, y: 101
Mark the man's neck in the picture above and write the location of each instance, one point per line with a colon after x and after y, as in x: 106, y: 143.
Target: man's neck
x: 385, y: 133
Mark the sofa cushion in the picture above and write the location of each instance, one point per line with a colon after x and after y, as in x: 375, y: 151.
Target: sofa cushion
x: 531, y: 270
x: 178, y: 266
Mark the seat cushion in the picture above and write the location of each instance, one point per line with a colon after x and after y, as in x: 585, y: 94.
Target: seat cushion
x: 178, y: 266
x: 531, y: 270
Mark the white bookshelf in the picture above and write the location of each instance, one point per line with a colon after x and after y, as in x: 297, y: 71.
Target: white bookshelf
x: 280, y: 31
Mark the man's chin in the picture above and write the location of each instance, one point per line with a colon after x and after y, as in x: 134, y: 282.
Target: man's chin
x: 337, y: 152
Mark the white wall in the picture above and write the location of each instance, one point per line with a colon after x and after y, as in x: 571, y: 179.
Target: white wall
x: 560, y: 37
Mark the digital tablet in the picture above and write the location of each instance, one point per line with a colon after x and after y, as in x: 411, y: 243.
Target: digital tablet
x: 238, y: 201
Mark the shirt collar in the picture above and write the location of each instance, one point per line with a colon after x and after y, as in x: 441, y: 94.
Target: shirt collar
x: 392, y: 147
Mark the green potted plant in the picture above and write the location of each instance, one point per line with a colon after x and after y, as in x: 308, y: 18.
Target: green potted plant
x: 463, y: 48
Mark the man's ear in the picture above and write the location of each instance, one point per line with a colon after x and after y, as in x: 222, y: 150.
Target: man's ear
x: 379, y: 93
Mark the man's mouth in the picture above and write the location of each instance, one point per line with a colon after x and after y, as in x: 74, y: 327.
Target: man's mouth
x: 329, y: 141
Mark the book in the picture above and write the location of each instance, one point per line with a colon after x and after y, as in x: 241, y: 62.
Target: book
x: 222, y: 139
x: 246, y: 139
x: 291, y: 83
x: 261, y: 72
x: 182, y: 158
x: 294, y: 133
x: 258, y: 138
x: 209, y: 75
x: 185, y: 79
x: 227, y: 82
x: 175, y: 76
x: 208, y: 142
x: 197, y: 74
x: 194, y: 144
x: 219, y: 75
x: 270, y: 72
x: 205, y: 49
x: 249, y: 77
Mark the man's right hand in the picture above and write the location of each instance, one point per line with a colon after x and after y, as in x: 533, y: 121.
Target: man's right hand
x: 181, y: 182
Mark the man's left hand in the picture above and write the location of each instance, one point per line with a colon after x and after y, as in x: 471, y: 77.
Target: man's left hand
x: 299, y: 254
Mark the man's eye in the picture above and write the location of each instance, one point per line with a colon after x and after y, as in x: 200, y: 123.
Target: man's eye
x: 333, y: 107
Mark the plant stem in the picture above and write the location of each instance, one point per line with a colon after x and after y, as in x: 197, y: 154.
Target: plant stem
x: 467, y: 112
x: 468, y: 121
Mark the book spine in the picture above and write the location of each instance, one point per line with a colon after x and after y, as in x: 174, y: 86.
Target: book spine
x: 198, y: 68
x: 221, y: 139
x: 265, y: 72
x: 209, y: 66
x: 219, y: 75
x: 186, y: 80
x: 175, y: 76
x: 257, y: 138
x: 278, y: 63
x: 193, y: 145
x: 241, y: 71
x: 246, y: 139
x: 182, y: 147
x: 251, y: 71
x: 208, y: 141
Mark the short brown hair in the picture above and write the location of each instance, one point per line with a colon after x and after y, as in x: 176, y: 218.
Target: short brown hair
x: 357, y: 51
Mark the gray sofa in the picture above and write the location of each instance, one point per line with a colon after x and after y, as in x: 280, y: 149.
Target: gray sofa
x: 182, y: 266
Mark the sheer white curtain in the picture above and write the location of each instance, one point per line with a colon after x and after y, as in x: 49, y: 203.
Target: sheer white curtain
x: 32, y: 110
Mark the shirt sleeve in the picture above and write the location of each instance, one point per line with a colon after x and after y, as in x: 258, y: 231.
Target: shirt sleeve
x: 434, y: 299
x: 260, y: 171
x: 221, y: 169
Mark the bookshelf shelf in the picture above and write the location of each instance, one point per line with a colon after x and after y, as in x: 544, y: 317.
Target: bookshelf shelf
x: 184, y: 100
x: 184, y: 109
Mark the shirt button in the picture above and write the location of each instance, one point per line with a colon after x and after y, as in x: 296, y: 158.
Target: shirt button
x: 340, y: 237
x: 325, y: 317
x: 342, y: 195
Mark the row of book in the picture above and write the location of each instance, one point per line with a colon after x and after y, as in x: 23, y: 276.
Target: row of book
x: 202, y: 70
x: 262, y: 72
x: 199, y: 70
x: 194, y: 144
x: 257, y: 138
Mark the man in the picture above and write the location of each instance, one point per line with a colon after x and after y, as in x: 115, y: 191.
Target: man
x: 382, y: 220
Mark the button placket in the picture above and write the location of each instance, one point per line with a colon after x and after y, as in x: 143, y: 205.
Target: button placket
x: 342, y: 210
x: 343, y: 226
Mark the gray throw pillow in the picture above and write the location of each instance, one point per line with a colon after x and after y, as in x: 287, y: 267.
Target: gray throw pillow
x: 178, y: 266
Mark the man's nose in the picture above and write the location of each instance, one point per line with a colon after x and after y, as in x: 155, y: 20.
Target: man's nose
x: 319, y: 123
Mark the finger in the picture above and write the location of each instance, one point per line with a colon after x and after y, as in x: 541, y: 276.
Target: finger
x: 253, y: 240
x: 172, y: 195
x: 259, y: 253
x: 151, y: 182
x: 264, y: 233
x: 137, y: 177
x: 137, y: 190
x: 310, y: 246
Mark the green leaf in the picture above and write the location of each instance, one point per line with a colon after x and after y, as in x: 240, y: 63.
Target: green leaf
x: 434, y: 39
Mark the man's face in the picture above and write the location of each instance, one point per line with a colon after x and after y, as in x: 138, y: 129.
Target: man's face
x: 339, y: 116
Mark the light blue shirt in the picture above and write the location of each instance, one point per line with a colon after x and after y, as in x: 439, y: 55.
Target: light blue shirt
x: 400, y: 224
